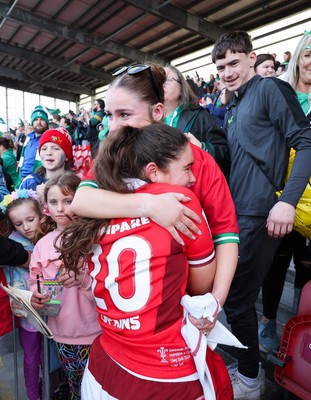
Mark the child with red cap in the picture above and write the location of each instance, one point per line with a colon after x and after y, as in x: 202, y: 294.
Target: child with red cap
x: 55, y: 150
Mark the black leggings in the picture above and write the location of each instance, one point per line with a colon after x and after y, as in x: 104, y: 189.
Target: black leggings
x: 292, y: 245
x: 256, y: 253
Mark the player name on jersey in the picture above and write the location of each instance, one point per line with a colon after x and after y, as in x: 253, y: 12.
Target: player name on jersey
x: 127, y: 225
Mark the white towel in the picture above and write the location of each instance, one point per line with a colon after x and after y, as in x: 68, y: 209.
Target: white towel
x: 205, y: 306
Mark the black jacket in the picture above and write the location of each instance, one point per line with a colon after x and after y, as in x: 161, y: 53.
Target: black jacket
x: 264, y: 121
x: 206, y: 129
x: 11, y: 252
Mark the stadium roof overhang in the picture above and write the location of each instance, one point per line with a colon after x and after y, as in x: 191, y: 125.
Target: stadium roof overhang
x: 68, y: 48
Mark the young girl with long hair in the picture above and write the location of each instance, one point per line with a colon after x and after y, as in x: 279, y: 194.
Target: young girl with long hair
x: 76, y: 326
x: 23, y: 213
x: 140, y: 273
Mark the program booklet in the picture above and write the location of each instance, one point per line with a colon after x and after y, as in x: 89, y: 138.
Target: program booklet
x: 54, y: 290
x: 22, y: 297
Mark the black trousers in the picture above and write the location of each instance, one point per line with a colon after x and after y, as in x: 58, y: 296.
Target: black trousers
x: 256, y: 253
x: 292, y: 245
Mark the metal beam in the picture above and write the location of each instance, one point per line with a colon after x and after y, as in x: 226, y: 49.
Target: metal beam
x: 21, y: 76
x: 44, y: 91
x: 79, y: 36
x: 54, y: 62
x: 180, y: 17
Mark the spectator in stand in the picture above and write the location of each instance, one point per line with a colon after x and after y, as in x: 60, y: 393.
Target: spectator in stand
x: 201, y: 91
x: 6, y: 178
x: 287, y: 57
x: 192, y: 85
x: 264, y: 121
x: 280, y: 69
x: 68, y: 125
x: 293, y: 245
x: 265, y: 65
x: 3, y: 187
x: 56, y: 119
x: 30, y: 159
x: 219, y: 111
x: 210, y: 84
x: 77, y: 135
x: 21, y: 137
x: 55, y: 151
x: 183, y: 111
x: 9, y: 159
x: 92, y: 120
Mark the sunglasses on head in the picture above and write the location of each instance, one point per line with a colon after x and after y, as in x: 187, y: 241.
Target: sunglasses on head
x: 136, y: 69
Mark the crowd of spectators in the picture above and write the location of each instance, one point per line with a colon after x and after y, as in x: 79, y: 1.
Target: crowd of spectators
x: 206, y: 111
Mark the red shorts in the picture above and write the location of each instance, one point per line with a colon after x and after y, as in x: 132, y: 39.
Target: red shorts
x: 105, y: 379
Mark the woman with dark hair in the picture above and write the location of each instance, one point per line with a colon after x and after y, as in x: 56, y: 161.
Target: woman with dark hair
x: 265, y: 65
x: 287, y: 56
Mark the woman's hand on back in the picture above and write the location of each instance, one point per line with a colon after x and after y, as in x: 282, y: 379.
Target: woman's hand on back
x: 168, y: 211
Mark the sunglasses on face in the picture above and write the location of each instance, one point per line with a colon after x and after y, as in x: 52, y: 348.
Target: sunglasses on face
x: 136, y: 69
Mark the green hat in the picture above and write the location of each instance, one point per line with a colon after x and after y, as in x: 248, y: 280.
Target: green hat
x: 2, y: 121
x: 39, y: 112
x: 21, y: 122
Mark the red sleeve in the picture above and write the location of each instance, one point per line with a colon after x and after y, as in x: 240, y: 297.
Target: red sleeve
x: 214, y: 194
x: 199, y: 252
x: 89, y: 175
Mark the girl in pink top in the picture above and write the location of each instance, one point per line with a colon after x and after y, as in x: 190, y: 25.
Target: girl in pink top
x: 76, y: 326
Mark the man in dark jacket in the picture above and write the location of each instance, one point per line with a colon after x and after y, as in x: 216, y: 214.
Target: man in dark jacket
x: 264, y: 121
x: 92, y: 120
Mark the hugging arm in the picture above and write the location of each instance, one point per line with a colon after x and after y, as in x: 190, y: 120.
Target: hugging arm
x: 166, y: 209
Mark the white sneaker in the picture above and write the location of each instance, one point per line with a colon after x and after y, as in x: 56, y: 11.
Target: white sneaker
x: 243, y: 391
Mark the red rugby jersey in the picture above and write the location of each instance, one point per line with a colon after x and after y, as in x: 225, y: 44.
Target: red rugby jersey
x: 140, y: 275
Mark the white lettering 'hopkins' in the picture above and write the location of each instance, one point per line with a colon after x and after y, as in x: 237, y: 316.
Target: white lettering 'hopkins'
x: 132, y: 323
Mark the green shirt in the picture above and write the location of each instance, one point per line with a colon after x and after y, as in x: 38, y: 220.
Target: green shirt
x: 10, y: 165
x: 303, y: 99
